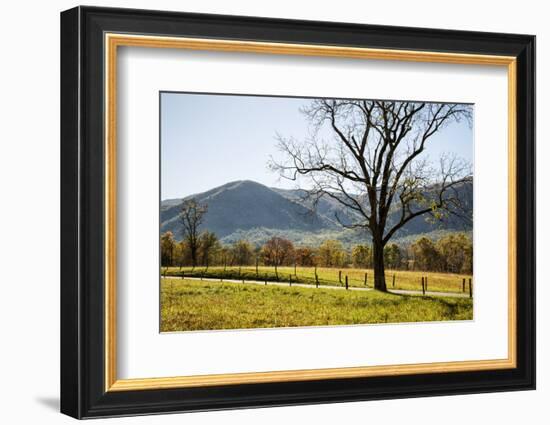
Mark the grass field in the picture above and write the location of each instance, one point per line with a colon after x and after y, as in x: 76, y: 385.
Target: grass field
x: 188, y: 305
x: 410, y: 280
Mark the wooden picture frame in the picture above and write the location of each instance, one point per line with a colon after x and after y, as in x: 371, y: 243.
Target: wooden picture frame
x: 90, y: 38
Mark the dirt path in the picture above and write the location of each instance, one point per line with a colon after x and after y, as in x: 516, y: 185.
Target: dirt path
x: 341, y: 288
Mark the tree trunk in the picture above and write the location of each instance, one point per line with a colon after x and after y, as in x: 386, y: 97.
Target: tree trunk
x: 378, y: 260
x: 193, y: 260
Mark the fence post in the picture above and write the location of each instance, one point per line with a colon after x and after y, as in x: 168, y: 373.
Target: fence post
x: 182, y: 275
x: 346, y: 282
x: 470, y: 285
x: 463, y: 284
x: 366, y: 275
x: 266, y: 278
x: 295, y: 268
x: 290, y: 280
x: 340, y: 276
x: 393, y: 281
x: 316, y: 280
x: 423, y: 288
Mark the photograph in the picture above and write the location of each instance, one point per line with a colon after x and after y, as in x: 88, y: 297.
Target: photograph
x: 285, y: 210
x: 290, y: 212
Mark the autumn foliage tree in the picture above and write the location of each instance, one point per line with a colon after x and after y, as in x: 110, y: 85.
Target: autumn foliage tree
x: 425, y: 254
x: 167, y: 248
x: 330, y: 253
x: 456, y: 253
x: 392, y: 256
x: 305, y: 256
x: 278, y: 251
x: 242, y: 253
x: 208, y: 247
x: 362, y: 256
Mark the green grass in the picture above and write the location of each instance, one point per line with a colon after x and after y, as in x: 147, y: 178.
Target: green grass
x: 410, y: 280
x: 188, y: 305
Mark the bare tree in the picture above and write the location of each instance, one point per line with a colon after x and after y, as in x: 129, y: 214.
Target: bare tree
x: 191, y: 217
x: 375, y: 167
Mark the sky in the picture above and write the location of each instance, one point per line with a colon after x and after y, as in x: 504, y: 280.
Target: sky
x: 208, y: 140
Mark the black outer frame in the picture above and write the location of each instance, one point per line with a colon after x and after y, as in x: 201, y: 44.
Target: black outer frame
x: 82, y: 212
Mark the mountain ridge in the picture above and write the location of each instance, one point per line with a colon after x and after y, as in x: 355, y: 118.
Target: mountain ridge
x: 250, y: 210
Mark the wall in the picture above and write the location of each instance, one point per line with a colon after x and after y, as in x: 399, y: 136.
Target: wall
x: 29, y: 224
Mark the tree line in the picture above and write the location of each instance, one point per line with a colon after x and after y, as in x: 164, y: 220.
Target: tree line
x: 451, y: 253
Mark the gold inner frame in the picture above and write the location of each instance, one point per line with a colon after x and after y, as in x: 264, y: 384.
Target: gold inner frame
x: 113, y: 41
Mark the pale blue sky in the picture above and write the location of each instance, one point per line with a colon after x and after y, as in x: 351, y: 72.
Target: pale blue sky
x: 209, y: 140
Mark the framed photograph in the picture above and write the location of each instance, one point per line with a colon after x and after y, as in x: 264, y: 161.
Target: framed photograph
x: 261, y: 212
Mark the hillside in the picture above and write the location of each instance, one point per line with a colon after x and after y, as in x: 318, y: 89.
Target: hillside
x: 246, y: 205
x: 252, y: 211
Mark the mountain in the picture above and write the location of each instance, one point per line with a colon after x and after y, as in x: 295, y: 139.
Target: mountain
x: 325, y: 206
x: 246, y: 205
x: 252, y: 211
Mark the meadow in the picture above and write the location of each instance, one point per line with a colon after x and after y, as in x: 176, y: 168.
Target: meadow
x: 406, y: 280
x: 190, y: 304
